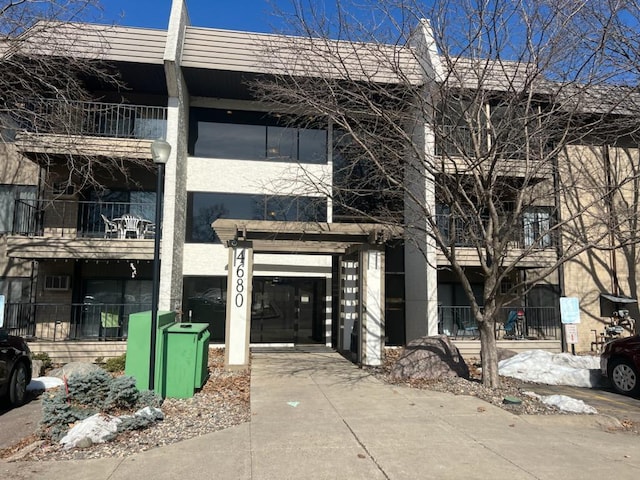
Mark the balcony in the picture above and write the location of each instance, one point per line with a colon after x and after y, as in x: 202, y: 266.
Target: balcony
x: 456, y: 143
x: 535, y: 323
x: 73, y: 321
x: 89, y: 128
x: 532, y: 246
x: 82, y: 230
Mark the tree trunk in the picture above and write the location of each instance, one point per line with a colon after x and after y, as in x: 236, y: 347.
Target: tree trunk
x: 489, y: 354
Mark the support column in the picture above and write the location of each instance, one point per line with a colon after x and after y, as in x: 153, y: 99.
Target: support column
x: 238, y: 320
x: 373, y: 294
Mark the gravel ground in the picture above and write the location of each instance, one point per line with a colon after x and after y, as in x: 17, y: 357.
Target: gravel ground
x: 221, y: 403
x: 509, y: 387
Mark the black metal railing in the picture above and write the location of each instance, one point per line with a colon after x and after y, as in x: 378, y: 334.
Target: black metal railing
x: 96, y: 119
x: 79, y: 219
x: 76, y: 321
x: 467, y: 232
x: 525, y: 323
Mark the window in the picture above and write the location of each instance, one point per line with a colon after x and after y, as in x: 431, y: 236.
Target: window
x: 17, y: 317
x: 57, y: 282
x: 107, y: 304
x: 15, y: 289
x: 204, y: 208
x: 537, y: 223
x: 460, y: 127
x: 241, y: 135
x: 362, y: 192
x: 204, y: 300
x: 9, y: 194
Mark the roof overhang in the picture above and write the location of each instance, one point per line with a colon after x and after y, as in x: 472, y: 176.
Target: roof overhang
x: 609, y: 304
x: 302, y: 237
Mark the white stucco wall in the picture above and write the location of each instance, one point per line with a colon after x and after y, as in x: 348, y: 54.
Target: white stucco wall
x: 205, y: 259
x: 253, y: 176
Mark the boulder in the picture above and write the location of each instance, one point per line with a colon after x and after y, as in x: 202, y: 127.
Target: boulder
x: 98, y: 428
x: 75, y: 368
x: 504, y: 353
x: 429, y: 358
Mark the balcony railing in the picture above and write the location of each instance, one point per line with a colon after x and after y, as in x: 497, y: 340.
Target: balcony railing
x: 465, y: 232
x: 94, y: 119
x: 76, y: 321
x: 81, y: 219
x: 542, y: 323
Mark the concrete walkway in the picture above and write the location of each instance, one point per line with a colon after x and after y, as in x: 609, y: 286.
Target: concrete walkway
x: 316, y: 416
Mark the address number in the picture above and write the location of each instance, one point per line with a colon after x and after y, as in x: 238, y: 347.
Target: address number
x: 239, y: 265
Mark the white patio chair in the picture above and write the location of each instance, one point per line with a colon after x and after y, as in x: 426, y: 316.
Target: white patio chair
x: 130, y: 223
x: 149, y: 230
x: 110, y: 228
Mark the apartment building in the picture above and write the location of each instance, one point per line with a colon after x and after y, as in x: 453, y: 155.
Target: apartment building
x: 246, y: 246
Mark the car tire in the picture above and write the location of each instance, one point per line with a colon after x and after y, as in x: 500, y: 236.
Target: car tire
x: 624, y: 377
x: 18, y: 385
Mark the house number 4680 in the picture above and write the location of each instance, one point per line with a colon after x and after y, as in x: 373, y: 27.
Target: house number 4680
x: 239, y: 287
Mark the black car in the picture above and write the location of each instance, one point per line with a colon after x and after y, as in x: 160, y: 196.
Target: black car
x: 15, y: 368
x: 620, y: 362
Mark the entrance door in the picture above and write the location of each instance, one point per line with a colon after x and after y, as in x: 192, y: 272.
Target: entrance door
x: 287, y: 310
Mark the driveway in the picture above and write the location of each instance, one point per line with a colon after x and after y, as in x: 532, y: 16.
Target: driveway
x: 18, y: 423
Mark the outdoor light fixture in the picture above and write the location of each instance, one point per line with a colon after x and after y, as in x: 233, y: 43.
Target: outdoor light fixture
x: 160, y: 151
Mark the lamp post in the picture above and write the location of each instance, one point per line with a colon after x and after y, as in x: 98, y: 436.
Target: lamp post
x: 160, y: 151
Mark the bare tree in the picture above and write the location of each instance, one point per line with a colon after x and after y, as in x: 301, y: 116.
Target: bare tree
x: 460, y: 129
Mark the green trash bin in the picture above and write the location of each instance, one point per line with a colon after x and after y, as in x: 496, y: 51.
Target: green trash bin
x: 138, y: 361
x: 187, y: 357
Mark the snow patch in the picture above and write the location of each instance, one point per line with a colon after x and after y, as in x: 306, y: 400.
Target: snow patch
x: 568, y: 404
x: 44, y: 383
x: 549, y: 368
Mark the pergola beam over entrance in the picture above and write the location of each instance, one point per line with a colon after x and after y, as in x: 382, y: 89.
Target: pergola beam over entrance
x: 246, y: 237
x: 302, y: 237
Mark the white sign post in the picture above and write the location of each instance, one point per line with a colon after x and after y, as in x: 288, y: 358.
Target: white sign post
x: 571, y: 333
x: 570, y: 317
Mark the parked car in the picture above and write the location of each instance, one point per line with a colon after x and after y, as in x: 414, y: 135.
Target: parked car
x: 15, y: 368
x: 620, y: 363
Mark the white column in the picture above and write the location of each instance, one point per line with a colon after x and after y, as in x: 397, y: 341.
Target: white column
x: 372, y: 306
x: 175, y: 191
x: 238, y: 321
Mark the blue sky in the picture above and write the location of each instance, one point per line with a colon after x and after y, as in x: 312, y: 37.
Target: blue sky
x: 250, y: 15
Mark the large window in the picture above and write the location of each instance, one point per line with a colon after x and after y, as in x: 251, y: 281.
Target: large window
x: 107, y: 304
x: 362, y: 192
x: 204, y: 208
x: 241, y: 135
x: 205, y: 301
x: 8, y: 196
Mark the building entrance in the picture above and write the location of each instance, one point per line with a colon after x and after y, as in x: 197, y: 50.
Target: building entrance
x: 288, y: 310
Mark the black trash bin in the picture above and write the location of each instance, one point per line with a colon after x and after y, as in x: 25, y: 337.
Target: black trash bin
x: 355, y: 339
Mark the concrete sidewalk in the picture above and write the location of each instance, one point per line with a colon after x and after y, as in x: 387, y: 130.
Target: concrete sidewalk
x: 316, y: 416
